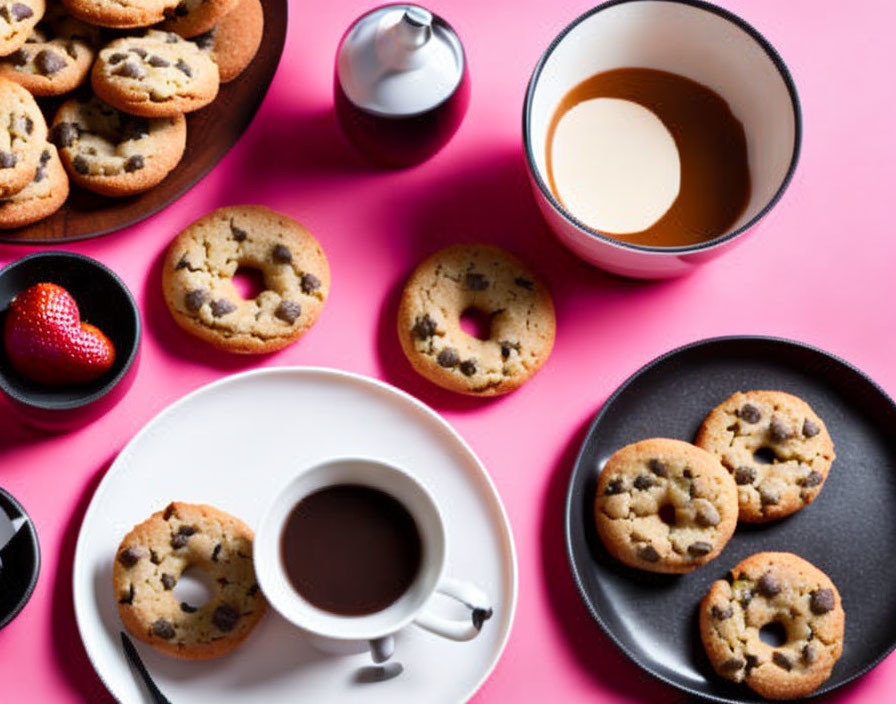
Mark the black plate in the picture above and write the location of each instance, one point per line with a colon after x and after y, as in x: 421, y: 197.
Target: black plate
x: 849, y: 531
x: 19, y: 561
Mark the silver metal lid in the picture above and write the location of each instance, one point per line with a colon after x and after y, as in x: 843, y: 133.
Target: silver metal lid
x: 399, y: 60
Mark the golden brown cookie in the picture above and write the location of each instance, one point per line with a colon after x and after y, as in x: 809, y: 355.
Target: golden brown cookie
x: 157, y: 75
x: 774, y: 588
x: 40, y: 198
x: 197, y: 279
x: 234, y: 41
x: 17, y: 20
x: 494, y: 283
x: 191, y: 17
x: 120, y: 13
x: 22, y: 138
x: 664, y: 505
x: 776, y: 447
x: 112, y: 153
x: 153, y: 556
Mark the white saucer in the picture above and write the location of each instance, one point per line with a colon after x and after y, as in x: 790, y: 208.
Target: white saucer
x: 232, y: 444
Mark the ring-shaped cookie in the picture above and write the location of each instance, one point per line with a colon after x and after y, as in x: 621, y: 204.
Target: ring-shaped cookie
x: 663, y: 505
x: 499, y: 286
x: 154, y: 555
x: 774, y: 588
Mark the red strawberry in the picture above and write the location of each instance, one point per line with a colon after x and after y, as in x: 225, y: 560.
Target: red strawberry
x: 47, y: 342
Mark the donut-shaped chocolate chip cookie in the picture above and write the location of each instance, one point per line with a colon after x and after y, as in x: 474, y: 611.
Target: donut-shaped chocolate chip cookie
x: 776, y: 448
x: 664, y: 506
x: 154, y: 555
x: 197, y: 279
x: 792, y: 596
x: 495, y: 284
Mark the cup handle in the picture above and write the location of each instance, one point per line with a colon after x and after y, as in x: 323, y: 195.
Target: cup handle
x: 458, y: 629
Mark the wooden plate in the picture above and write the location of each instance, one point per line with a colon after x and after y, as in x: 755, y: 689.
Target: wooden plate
x: 211, y: 132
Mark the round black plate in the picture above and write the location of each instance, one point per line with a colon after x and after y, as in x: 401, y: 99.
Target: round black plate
x: 19, y: 560
x: 849, y: 531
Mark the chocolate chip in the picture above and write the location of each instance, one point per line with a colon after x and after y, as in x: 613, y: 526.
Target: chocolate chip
x: 215, y: 552
x: 81, y: 165
x: 476, y: 282
x: 523, y: 283
x: 44, y: 157
x: 768, y: 496
x: 134, y: 163
x: 116, y: 58
x: 168, y: 581
x: 746, y: 598
x: 707, y: 516
x: 310, y: 283
x: 158, y: 61
x: 643, y: 481
x: 49, y: 62
x: 163, y: 629
x: 732, y: 665
x: 222, y: 307
x: 129, y: 597
x: 781, y: 660
x: 813, y: 479
x: 179, y: 541
x: 821, y: 601
x: 7, y: 160
x: 184, y: 67
x: 238, y: 233
x: 194, y: 300
x: 223, y: 581
x: 722, y: 614
x: 130, y: 556
x: 778, y: 430
x: 64, y: 134
x: 128, y: 70
x: 288, y: 311
x: 648, y: 553
x: 19, y: 58
x: 768, y: 585
x: 205, y: 41
x: 281, y: 254
x: 810, y: 654
x: 744, y: 475
x: 468, y: 367
x: 253, y: 590
x: 154, y: 558
x: 134, y: 128
x: 187, y: 530
x: 508, y: 347
x: 20, y: 11
x: 810, y: 428
x: 169, y: 512
x: 448, y: 357
x: 615, y: 486
x: 750, y: 413
x: 658, y: 468
x: 187, y: 609
x: 688, y: 474
x: 424, y: 327
x: 225, y: 618
x: 139, y: 51
x: 699, y: 549
x: 181, y: 10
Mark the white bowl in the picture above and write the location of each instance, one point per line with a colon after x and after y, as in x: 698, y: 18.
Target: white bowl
x: 694, y: 39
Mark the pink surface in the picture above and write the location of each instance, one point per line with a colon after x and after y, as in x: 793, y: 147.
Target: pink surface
x: 819, y: 269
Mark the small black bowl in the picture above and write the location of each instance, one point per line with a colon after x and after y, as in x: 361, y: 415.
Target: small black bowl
x: 19, y: 558
x: 104, y: 301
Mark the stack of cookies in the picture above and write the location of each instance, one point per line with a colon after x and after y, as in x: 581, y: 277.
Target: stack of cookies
x: 131, y: 70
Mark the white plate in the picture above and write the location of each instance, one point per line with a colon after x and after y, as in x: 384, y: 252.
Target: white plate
x: 232, y: 444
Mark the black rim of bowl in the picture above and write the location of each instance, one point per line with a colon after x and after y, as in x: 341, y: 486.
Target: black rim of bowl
x: 570, y: 498
x: 701, y: 246
x: 32, y: 582
x: 109, y: 383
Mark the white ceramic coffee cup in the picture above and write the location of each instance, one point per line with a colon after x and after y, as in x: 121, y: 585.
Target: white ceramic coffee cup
x: 351, y: 634
x: 694, y: 39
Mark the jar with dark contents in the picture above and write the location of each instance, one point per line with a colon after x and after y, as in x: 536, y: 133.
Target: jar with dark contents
x: 401, y: 84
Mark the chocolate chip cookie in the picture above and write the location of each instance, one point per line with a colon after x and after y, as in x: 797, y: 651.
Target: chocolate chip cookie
x: 234, y: 41
x: 191, y: 17
x: 663, y: 505
x: 197, y: 279
x: 157, y: 75
x: 154, y: 555
x: 782, y: 589
x: 120, y: 13
x: 113, y: 153
x: 17, y: 19
x: 776, y: 448
x: 22, y: 138
x: 497, y: 286
x: 42, y: 197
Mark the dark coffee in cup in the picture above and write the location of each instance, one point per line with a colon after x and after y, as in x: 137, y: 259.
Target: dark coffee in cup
x: 350, y: 549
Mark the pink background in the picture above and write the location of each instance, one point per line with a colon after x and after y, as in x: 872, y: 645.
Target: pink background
x: 819, y: 269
